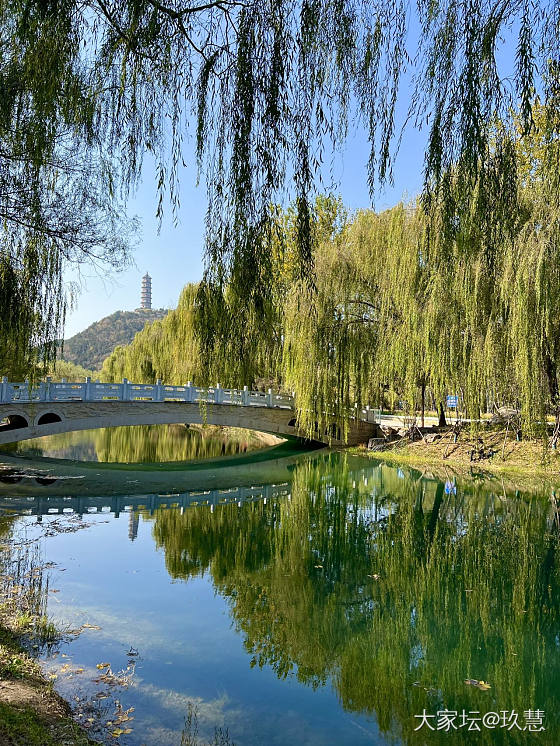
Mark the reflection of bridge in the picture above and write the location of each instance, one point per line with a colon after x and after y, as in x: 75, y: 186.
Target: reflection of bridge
x: 54, y: 505
x: 30, y: 411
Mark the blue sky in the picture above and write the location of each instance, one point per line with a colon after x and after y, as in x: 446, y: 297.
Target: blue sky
x: 174, y: 255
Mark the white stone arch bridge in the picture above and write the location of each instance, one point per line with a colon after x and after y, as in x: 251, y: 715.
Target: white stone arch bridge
x: 30, y: 411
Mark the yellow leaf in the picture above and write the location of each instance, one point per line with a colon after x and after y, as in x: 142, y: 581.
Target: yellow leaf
x: 482, y: 685
x: 103, y: 665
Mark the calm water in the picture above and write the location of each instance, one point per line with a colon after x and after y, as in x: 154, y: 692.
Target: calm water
x: 329, y: 607
x: 145, y: 444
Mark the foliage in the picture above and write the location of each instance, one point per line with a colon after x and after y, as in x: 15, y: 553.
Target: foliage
x: 89, y: 87
x: 70, y: 371
x: 400, y: 304
x: 165, y: 349
x: 57, y: 199
x: 90, y: 347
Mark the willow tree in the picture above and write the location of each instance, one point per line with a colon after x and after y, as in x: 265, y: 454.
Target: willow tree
x: 57, y: 200
x: 269, y: 87
x: 166, y: 349
x: 170, y: 349
x: 530, y: 287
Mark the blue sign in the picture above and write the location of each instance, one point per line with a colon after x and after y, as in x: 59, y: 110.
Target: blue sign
x: 450, y: 488
x: 452, y: 402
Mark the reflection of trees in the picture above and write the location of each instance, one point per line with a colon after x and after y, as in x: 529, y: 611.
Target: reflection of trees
x: 148, y: 443
x: 468, y: 587
x: 153, y: 443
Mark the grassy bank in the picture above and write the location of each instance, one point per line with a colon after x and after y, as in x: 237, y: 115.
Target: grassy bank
x: 527, y: 463
x: 31, y: 712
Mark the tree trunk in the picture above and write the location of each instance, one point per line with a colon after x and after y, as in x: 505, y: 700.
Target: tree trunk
x: 552, y: 379
x: 423, y: 390
x: 442, y: 422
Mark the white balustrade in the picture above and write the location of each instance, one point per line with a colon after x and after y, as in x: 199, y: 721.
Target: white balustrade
x: 95, y: 391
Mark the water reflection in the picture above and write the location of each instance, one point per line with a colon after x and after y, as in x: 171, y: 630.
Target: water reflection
x: 391, y: 589
x: 145, y: 444
x: 384, y: 586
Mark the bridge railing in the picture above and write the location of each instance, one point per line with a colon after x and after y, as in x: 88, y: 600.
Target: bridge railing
x: 95, y: 391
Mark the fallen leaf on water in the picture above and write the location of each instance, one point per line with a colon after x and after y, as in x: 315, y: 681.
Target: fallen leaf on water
x: 65, y: 668
x: 319, y: 567
x: 482, y: 685
x: 103, y: 665
x: 375, y: 576
x: 79, y: 670
x: 90, y: 626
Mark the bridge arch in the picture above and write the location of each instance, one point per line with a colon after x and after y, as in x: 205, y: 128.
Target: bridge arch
x: 13, y: 421
x: 48, y: 418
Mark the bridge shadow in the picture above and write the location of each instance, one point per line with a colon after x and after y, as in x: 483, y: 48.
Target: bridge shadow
x: 35, y: 478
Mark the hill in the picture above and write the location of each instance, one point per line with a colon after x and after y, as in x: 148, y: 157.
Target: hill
x: 90, y: 347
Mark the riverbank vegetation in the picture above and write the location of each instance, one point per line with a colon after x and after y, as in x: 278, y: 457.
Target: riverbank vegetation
x: 526, y: 464
x: 31, y: 712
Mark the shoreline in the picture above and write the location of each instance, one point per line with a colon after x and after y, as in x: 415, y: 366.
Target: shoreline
x: 524, y: 465
x: 32, y: 713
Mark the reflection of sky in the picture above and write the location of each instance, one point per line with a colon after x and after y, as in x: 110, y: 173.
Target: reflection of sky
x: 188, y: 650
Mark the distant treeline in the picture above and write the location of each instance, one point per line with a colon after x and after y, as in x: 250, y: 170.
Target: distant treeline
x: 90, y: 347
